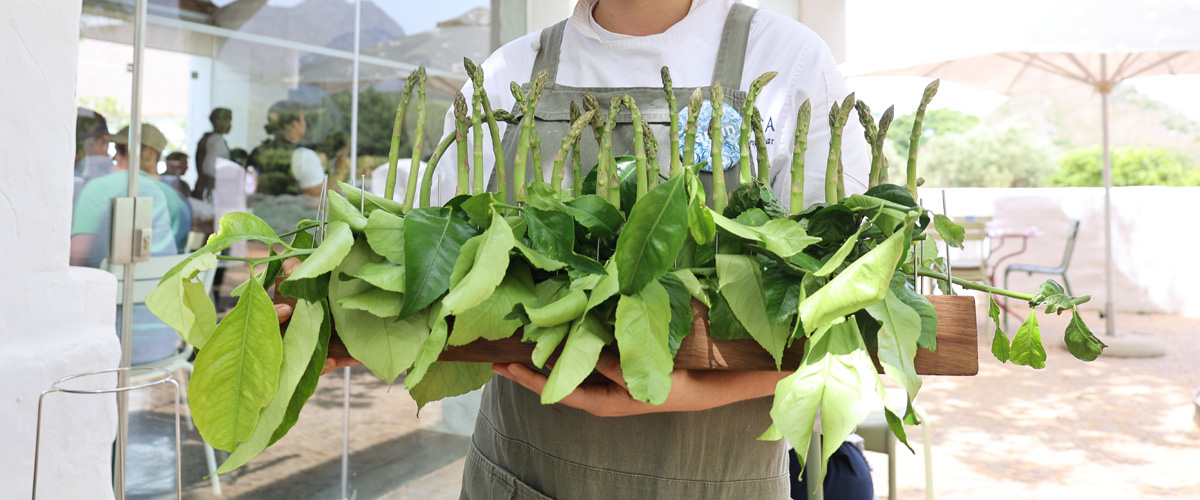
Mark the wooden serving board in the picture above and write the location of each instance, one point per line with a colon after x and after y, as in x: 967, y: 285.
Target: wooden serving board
x: 957, y: 349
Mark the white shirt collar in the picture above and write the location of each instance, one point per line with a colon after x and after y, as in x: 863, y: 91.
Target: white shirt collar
x: 583, y: 21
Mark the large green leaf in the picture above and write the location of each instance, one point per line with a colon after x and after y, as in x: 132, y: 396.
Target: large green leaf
x: 384, y: 275
x: 310, y: 280
x: 579, y: 356
x: 487, y: 320
x: 342, y: 210
x: 840, y: 255
x: 952, y: 233
x: 782, y: 292
x: 1027, y: 347
x: 385, y: 233
x: 643, y: 336
x: 741, y: 284
x: 924, y: 308
x: 693, y: 286
x: 489, y: 264
x: 700, y: 222
x: 653, y: 237
x: 449, y: 378
x: 432, y: 348
x: 376, y: 301
x: 1000, y: 342
x: 479, y: 209
x: 308, y: 381
x: 861, y: 284
x: 182, y: 303
x: 595, y: 214
x: 537, y: 259
x: 900, y: 327
x: 681, y: 308
x: 1081, y: 343
x: 432, y: 239
x: 233, y: 228
x: 237, y: 372
x: 552, y: 233
x: 835, y: 376
x: 301, y: 340
x: 722, y: 323
x: 547, y: 339
x: 785, y: 237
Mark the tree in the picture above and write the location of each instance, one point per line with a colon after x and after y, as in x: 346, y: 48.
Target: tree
x: 937, y: 123
x: 985, y: 157
x: 1130, y: 167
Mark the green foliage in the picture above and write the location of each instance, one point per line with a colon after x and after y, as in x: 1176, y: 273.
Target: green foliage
x: 987, y: 157
x: 1130, y: 167
x: 937, y: 123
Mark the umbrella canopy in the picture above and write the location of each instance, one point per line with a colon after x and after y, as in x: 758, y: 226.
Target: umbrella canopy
x: 1034, y: 46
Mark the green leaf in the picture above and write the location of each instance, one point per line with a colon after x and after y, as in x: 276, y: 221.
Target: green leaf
x: 310, y: 280
x: 1000, y: 343
x: 553, y: 234
x: 1027, y: 347
x: 233, y: 227
x: 487, y: 320
x: 596, y: 214
x: 183, y: 304
x: 547, y: 339
x: 782, y: 292
x: 432, y: 348
x: 1056, y: 300
x: 432, y: 240
x: 692, y: 285
x: 1081, y: 343
x: 722, y: 323
x: 753, y: 218
x: 734, y: 227
x: 951, y: 232
x: 681, y: 308
x: 449, y: 378
x: 385, y: 233
x: 653, y: 237
x: 490, y: 263
x: 341, y: 210
x: 741, y: 284
x: 785, y: 237
x: 536, y: 259
x: 700, y: 222
x: 840, y: 255
x: 579, y: 356
x: 643, y: 337
x: 835, y: 376
x: 373, y: 202
x: 302, y: 335
x: 376, y: 301
x: 384, y: 275
x: 900, y: 327
x: 923, y: 307
x: 479, y: 209
x: 237, y: 372
x: 861, y: 284
x: 308, y: 381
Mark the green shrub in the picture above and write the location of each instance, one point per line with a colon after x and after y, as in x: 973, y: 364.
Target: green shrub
x: 1130, y: 167
x: 982, y: 157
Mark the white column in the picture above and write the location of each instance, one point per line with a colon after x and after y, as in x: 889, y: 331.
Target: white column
x: 54, y: 320
x: 828, y: 19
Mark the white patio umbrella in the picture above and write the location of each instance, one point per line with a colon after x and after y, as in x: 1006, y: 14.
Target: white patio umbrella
x: 1033, y: 46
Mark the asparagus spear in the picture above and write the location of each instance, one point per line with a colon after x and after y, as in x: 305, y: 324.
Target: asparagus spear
x: 394, y: 151
x: 494, y: 128
x: 802, y: 119
x: 612, y: 181
x: 689, y: 140
x: 571, y: 137
x: 414, y: 168
x: 535, y: 141
x: 576, y: 178
x: 476, y: 123
x: 670, y: 90
x: 591, y: 103
x: 915, y: 139
x: 748, y: 112
x: 652, y: 154
x: 885, y: 122
x: 639, y: 146
x: 871, y: 133
x: 519, y: 169
x: 720, y: 197
x: 760, y: 143
x: 461, y: 121
x: 833, y: 169
x: 427, y: 180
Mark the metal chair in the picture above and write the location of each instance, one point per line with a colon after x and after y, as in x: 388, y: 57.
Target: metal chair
x: 1060, y: 270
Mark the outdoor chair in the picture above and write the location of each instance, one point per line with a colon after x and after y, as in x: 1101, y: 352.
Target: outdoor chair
x: 146, y: 277
x: 1060, y: 270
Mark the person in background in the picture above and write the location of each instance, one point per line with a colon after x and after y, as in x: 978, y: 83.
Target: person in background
x: 284, y: 166
x: 241, y: 157
x: 178, y: 208
x: 212, y: 145
x: 91, y: 145
x: 92, y: 214
x: 177, y: 166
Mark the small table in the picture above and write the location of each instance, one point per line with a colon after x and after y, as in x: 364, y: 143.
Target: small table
x: 1005, y: 233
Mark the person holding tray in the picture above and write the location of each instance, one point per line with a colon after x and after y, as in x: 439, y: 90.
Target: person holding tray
x: 701, y: 443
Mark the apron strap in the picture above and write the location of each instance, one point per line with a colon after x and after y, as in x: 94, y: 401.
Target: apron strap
x: 732, y: 53
x: 547, y: 55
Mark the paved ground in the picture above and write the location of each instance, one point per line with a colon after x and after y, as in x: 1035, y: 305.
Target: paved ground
x: 1110, y: 429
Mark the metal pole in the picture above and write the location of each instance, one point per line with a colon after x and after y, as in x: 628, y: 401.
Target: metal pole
x: 353, y: 175
x: 135, y: 163
x: 1105, y: 90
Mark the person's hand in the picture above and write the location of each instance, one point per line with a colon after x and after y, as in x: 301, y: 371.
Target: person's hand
x: 284, y: 312
x: 691, y: 390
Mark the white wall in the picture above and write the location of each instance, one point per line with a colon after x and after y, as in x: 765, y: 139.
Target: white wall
x: 1153, y: 258
x: 54, y: 320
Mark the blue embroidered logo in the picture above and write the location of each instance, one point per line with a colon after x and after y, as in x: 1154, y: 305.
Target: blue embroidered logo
x: 731, y: 129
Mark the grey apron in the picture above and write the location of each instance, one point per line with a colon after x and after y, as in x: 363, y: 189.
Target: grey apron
x: 523, y: 450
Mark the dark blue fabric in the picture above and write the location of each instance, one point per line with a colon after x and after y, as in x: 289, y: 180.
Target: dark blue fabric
x: 847, y: 476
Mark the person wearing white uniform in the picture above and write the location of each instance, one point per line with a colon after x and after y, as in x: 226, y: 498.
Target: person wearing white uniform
x: 303, y: 172
x: 701, y: 443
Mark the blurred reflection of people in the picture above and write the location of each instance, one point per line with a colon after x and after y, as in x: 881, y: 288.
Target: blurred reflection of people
x: 91, y: 145
x: 241, y: 157
x: 285, y: 167
x: 212, y: 146
x: 91, y: 217
x: 177, y: 166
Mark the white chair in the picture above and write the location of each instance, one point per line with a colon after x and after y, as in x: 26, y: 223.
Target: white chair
x: 878, y: 437
x: 146, y: 276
